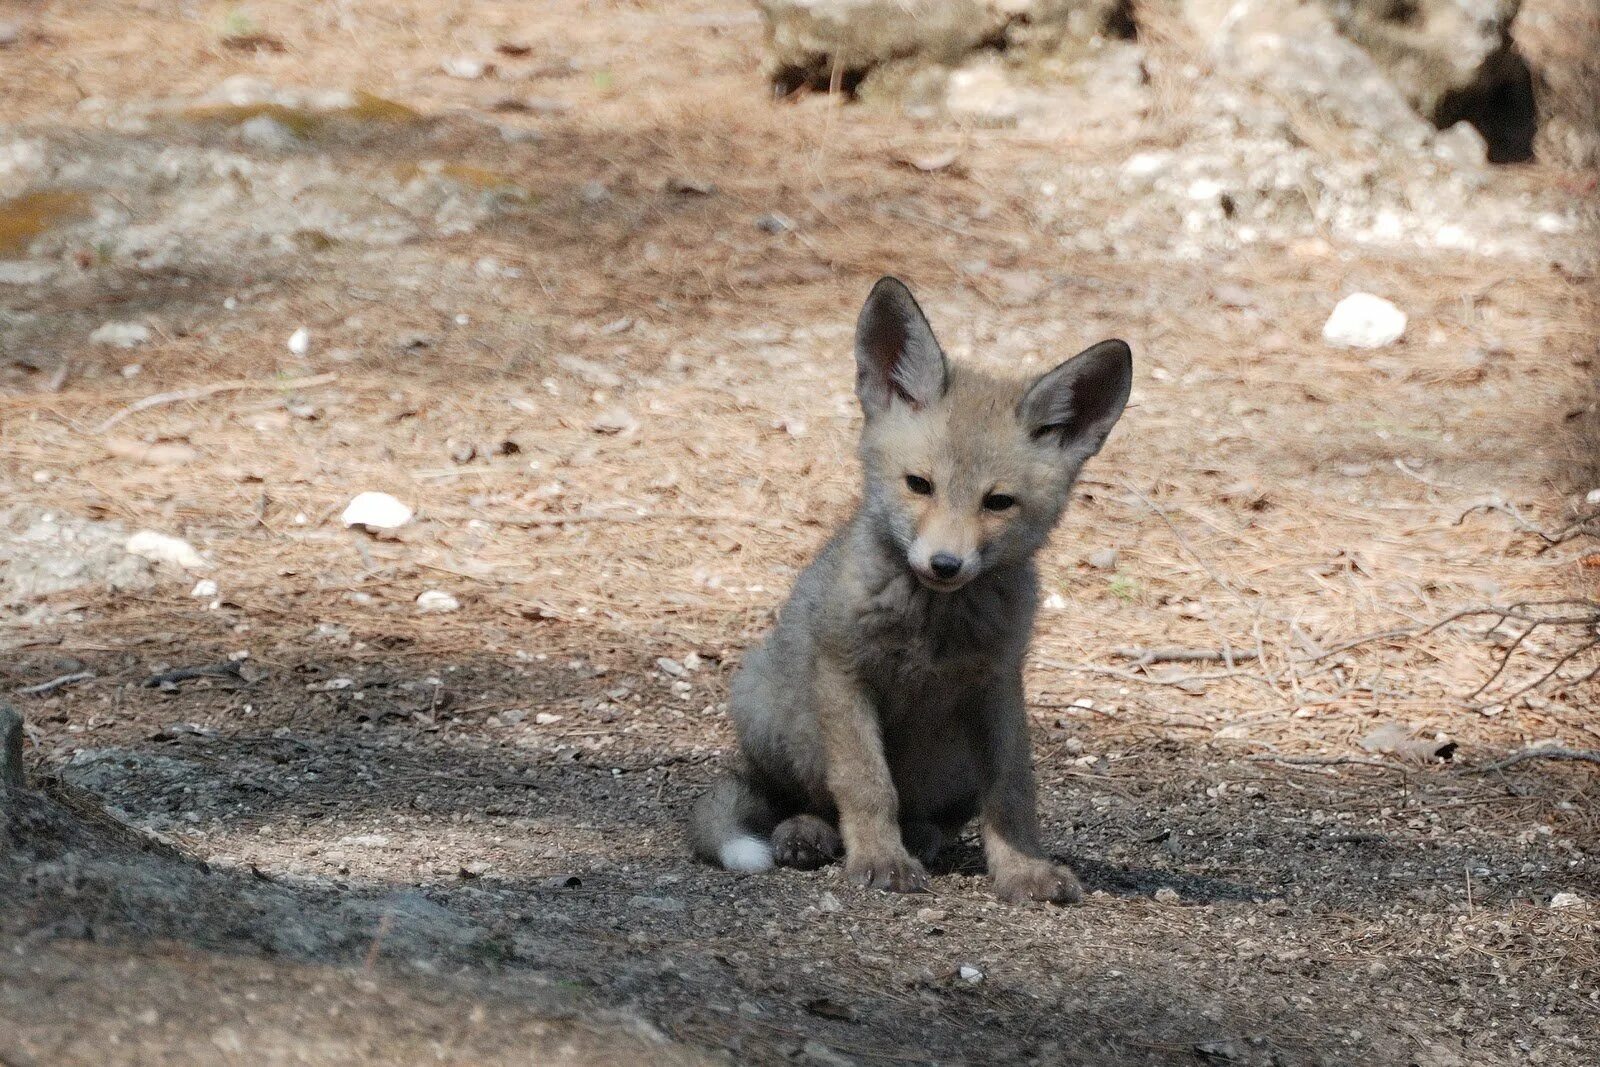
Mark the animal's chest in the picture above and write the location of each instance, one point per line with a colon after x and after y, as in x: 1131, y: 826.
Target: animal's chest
x: 925, y: 653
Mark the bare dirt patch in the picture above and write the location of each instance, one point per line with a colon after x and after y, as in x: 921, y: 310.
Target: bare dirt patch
x: 589, y: 316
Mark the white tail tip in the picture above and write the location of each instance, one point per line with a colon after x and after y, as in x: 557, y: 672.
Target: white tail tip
x: 745, y: 854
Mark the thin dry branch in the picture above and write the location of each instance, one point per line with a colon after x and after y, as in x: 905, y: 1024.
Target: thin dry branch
x: 1546, y: 752
x: 1142, y: 656
x: 203, y: 391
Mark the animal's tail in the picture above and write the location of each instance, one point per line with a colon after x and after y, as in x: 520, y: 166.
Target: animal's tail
x: 731, y: 825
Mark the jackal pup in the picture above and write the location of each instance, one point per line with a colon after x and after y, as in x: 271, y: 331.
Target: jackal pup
x: 885, y: 709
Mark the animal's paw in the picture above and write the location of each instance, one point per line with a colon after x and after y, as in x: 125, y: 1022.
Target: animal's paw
x: 1038, y: 880
x: 805, y: 842
x: 893, y: 870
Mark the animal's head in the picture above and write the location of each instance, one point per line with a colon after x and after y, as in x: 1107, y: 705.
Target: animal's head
x: 965, y: 472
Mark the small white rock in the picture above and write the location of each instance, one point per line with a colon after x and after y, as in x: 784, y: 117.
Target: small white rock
x: 691, y: 662
x: 670, y: 666
x: 1167, y: 895
x: 829, y: 903
x: 465, y: 67
x: 204, y: 589
x: 970, y: 974
x: 1362, y: 320
x: 379, y: 511
x: 437, y: 602
x: 160, y: 548
x: 121, y: 334
x: 617, y: 420
x: 544, y: 718
x: 300, y: 342
x: 1593, y: 497
x: 1566, y: 900
x: 1102, y: 559
x: 1055, y: 602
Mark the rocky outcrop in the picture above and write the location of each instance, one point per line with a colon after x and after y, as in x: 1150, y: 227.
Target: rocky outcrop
x: 838, y: 43
x: 1453, y: 61
x: 1395, y: 68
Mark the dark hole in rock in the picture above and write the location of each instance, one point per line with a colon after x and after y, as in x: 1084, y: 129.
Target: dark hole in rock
x: 819, y: 76
x: 1121, y: 24
x: 1501, y: 106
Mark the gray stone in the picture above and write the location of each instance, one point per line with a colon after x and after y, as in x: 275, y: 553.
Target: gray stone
x: 268, y: 134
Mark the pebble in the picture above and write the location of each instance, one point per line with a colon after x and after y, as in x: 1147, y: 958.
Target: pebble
x: 300, y: 342
x: 969, y: 974
x: 829, y: 903
x: 121, y: 334
x: 437, y: 602
x: 1362, y: 320
x: 671, y: 666
x: 1102, y: 559
x: 1055, y: 602
x: 465, y: 67
x: 617, y: 421
x: 544, y: 718
x: 376, y: 511
x: 1566, y: 900
x: 267, y: 133
x: 774, y: 222
x: 204, y: 589
x: 1593, y: 497
x: 1167, y: 895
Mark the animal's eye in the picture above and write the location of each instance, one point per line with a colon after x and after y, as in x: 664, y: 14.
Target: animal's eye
x: 999, y: 502
x: 919, y: 485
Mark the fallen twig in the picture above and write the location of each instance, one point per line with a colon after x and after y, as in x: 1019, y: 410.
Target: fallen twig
x: 55, y: 683
x: 203, y: 391
x: 170, y: 679
x: 1547, y: 752
x: 1142, y: 656
x: 1579, y: 527
x: 1321, y: 761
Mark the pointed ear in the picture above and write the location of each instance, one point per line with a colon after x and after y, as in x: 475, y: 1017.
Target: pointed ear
x: 1076, y: 404
x: 897, y: 357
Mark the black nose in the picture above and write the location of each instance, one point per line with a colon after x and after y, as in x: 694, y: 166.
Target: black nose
x: 945, y: 565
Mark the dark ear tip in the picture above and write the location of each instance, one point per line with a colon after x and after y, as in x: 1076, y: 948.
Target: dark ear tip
x: 888, y: 285
x: 1117, y: 347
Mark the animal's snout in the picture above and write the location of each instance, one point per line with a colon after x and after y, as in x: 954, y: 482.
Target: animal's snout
x: 945, y: 565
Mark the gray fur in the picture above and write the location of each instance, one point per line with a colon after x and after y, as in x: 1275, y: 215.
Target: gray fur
x: 887, y: 704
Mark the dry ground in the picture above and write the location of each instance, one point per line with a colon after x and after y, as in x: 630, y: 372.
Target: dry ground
x: 395, y: 837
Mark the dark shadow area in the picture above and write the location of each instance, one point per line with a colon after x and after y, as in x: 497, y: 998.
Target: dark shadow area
x: 1501, y: 106
x: 591, y: 888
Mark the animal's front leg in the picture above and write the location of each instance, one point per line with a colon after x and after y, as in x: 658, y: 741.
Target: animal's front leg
x: 1010, y: 815
x: 858, y: 778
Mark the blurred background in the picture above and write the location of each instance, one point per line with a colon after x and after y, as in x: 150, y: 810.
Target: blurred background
x: 409, y: 411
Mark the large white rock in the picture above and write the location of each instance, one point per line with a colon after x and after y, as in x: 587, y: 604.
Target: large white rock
x: 1362, y: 320
x: 162, y: 548
x: 378, y: 511
x: 121, y: 334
